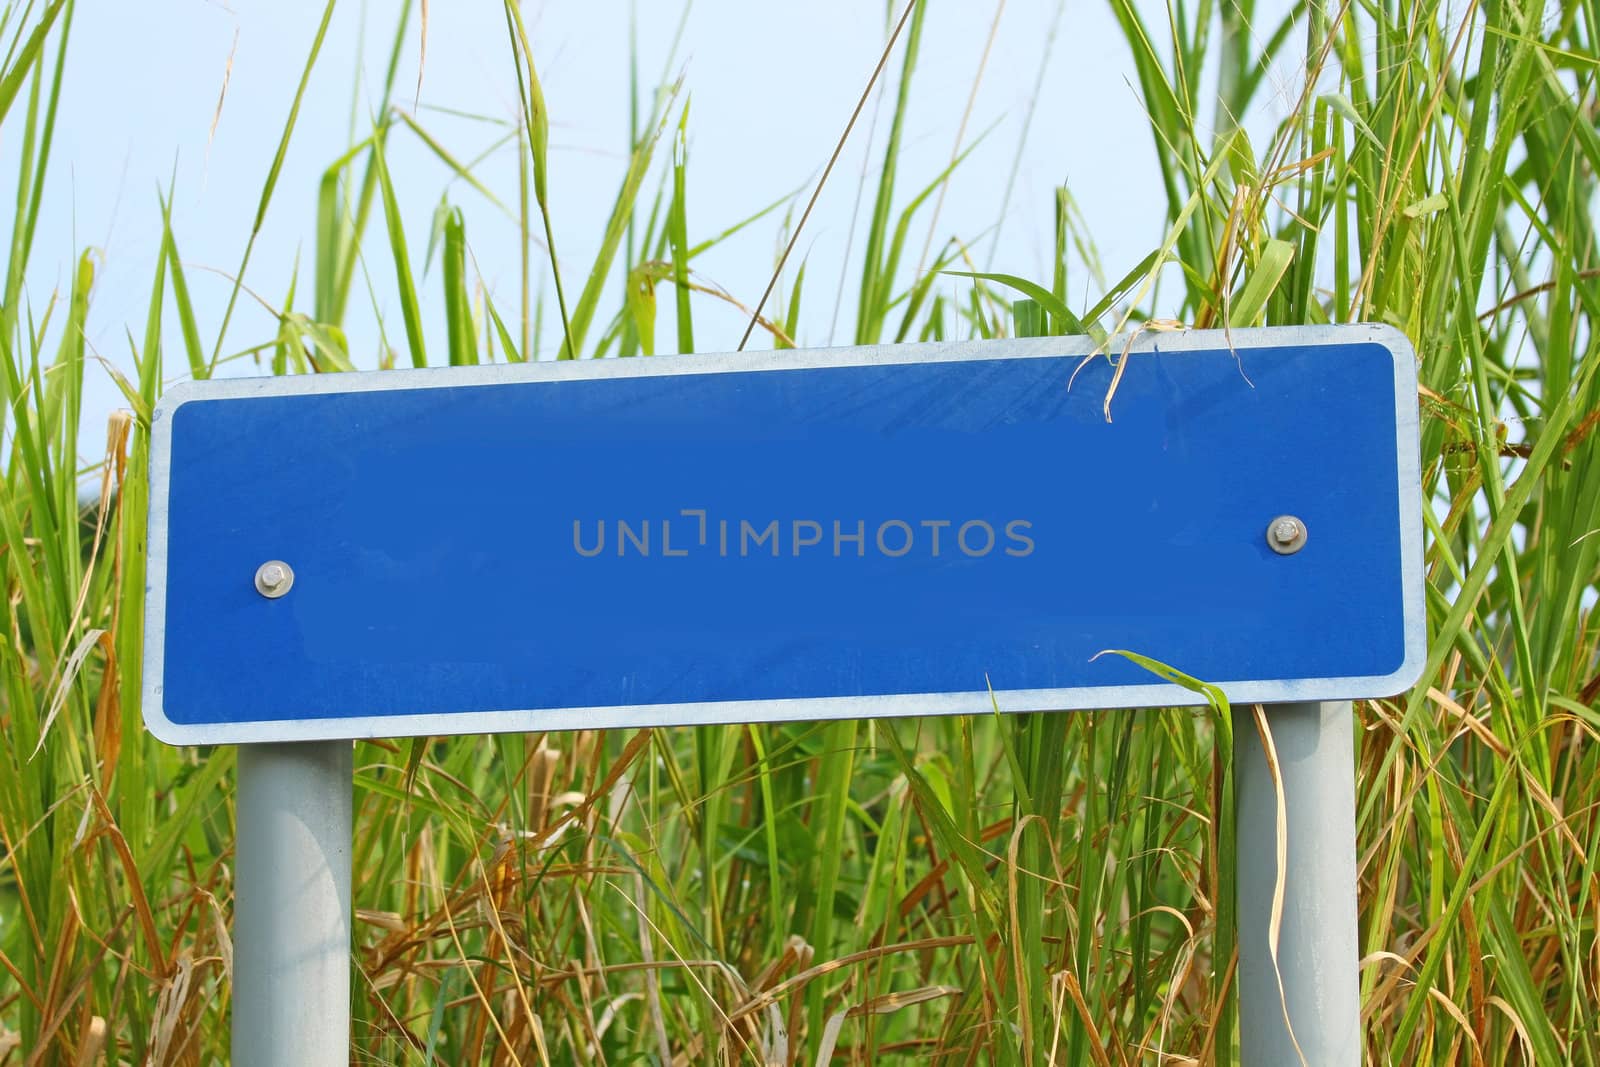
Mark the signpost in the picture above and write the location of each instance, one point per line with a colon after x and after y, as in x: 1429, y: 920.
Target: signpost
x: 780, y: 536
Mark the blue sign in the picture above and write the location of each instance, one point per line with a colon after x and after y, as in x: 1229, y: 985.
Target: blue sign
x: 794, y: 535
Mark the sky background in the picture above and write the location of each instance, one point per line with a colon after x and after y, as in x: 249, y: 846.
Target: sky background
x: 771, y: 87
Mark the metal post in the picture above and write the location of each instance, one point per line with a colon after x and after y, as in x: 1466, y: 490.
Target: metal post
x: 291, y: 915
x: 1318, y: 945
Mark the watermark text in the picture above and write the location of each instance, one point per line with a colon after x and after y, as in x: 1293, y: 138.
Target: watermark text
x: 695, y: 531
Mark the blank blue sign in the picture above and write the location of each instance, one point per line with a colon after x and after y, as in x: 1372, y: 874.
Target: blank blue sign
x: 798, y: 535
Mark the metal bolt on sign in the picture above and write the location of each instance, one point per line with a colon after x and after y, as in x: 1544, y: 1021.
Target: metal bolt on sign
x: 1286, y: 534
x: 274, y: 578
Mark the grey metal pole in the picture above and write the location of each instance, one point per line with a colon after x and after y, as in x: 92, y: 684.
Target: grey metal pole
x: 291, y: 914
x: 1318, y: 945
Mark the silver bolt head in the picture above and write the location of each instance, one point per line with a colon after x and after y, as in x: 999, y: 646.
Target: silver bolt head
x: 273, y: 578
x: 1286, y: 535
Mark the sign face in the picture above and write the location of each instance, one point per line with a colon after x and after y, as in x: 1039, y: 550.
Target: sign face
x: 919, y: 529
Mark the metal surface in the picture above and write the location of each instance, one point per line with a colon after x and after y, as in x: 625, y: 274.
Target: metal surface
x: 449, y: 580
x: 1318, y: 946
x: 291, y: 919
x: 1286, y: 534
x: 274, y: 578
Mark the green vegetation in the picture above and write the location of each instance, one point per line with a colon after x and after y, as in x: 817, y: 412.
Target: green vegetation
x: 1050, y: 888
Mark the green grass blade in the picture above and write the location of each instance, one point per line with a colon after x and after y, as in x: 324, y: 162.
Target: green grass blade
x: 272, y: 177
x: 678, y: 232
x: 458, y: 302
x: 409, y: 310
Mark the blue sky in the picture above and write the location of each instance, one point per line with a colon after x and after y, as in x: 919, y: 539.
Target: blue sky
x: 771, y: 86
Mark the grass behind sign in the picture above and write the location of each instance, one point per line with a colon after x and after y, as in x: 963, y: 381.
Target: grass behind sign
x: 1033, y: 890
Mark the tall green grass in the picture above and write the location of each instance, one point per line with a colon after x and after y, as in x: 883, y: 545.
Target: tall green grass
x: 1041, y: 889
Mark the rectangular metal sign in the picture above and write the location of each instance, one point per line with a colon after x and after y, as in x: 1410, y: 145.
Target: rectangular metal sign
x: 790, y: 535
